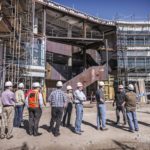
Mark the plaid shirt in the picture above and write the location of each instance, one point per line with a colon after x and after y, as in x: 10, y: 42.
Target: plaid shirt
x: 57, y: 98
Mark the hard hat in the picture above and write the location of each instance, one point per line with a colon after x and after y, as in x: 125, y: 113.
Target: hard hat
x: 101, y: 83
x: 120, y: 86
x: 59, y: 84
x: 21, y: 85
x: 69, y: 87
x: 36, y: 85
x: 79, y: 84
x: 131, y: 87
x: 8, y: 84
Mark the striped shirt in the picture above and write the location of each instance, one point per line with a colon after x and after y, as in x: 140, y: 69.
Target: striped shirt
x: 57, y: 98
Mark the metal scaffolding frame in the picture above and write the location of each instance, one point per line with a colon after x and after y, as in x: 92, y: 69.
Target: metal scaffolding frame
x: 16, y: 57
x: 133, y: 51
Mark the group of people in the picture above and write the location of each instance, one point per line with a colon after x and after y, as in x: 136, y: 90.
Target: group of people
x: 62, y: 104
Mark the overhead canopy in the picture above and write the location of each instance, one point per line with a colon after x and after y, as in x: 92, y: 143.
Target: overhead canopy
x: 69, y: 26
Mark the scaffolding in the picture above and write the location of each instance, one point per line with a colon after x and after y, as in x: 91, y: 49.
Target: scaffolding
x: 15, y: 44
x: 133, y: 45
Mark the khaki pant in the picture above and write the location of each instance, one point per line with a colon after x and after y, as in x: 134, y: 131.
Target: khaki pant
x: 2, y: 122
x: 9, y: 118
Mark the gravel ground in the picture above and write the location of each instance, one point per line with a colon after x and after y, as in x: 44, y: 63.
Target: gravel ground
x: 116, y: 138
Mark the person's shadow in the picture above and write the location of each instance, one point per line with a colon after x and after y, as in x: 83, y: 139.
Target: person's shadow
x: 26, y: 126
x: 89, y: 124
x: 144, y: 123
x: 123, y: 146
x: 113, y: 124
x: 45, y: 127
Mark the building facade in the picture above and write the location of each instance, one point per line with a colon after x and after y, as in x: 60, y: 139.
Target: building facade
x: 133, y: 49
x: 44, y: 41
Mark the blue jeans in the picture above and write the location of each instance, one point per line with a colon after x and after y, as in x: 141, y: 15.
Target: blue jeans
x: 79, y: 116
x: 132, y: 120
x: 18, y: 115
x: 101, y: 115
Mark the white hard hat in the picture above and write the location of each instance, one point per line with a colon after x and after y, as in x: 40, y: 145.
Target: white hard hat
x: 59, y: 84
x: 79, y: 84
x: 101, y: 83
x: 36, y: 85
x: 69, y: 87
x: 120, y: 86
x: 21, y: 85
x: 8, y: 84
x: 131, y: 87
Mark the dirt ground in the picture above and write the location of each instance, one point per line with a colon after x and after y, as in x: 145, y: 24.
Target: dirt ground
x: 116, y: 138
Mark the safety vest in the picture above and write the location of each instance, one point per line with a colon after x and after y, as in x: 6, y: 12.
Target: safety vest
x: 33, y: 99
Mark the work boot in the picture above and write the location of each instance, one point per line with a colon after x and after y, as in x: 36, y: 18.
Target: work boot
x: 77, y: 132
x: 124, y: 123
x: 37, y: 134
x: 50, y: 129
x: 2, y: 136
x: 9, y: 137
x: 104, y: 129
x: 116, y: 123
x: 56, y: 134
x: 81, y: 130
x: 132, y: 131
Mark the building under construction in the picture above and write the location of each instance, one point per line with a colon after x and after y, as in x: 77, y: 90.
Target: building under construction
x: 43, y: 41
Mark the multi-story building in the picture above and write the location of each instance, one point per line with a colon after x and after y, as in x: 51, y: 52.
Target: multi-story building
x: 133, y: 48
x: 44, y: 41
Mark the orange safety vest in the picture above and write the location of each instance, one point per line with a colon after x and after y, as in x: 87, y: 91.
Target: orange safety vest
x: 33, y: 99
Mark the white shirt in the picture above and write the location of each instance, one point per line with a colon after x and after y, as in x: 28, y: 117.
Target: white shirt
x: 79, y: 96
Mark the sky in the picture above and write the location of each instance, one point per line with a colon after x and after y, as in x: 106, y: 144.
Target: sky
x: 110, y: 9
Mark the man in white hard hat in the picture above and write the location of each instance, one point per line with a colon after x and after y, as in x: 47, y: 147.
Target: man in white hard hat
x: 79, y: 97
x: 2, y: 121
x: 34, y: 103
x: 101, y: 107
x: 119, y: 100
x: 20, y: 101
x: 69, y: 106
x: 58, y: 101
x: 130, y: 104
x: 8, y: 102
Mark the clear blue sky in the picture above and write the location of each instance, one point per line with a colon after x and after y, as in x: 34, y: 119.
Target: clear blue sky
x: 108, y: 9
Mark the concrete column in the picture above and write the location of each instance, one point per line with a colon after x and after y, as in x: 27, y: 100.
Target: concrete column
x: 84, y: 29
x: 69, y: 34
x: 70, y: 67
x: 84, y: 59
x: 35, y: 28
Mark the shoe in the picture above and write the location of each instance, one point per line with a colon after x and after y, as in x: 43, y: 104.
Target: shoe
x: 116, y: 123
x: 37, y: 134
x: 68, y: 125
x: 81, y: 130
x: 76, y: 132
x: 9, y: 137
x: 57, y: 134
x: 136, y: 130
x: 104, y: 129
x: 30, y: 133
x: 132, y: 131
x: 124, y: 123
x: 2, y: 136
x: 50, y: 130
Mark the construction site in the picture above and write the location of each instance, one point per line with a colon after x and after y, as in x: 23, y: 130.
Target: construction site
x: 43, y: 41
